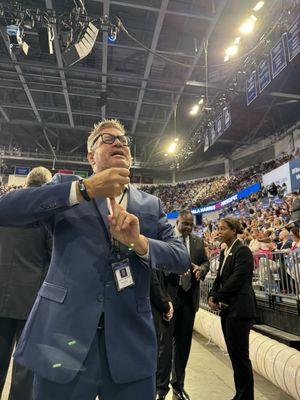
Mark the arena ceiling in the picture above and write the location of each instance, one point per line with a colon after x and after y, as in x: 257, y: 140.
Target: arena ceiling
x: 46, y: 107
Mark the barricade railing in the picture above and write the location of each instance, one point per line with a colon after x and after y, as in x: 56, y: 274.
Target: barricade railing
x: 276, y: 278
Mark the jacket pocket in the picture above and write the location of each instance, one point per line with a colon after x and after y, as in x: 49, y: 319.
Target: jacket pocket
x: 53, y: 292
x: 143, y: 304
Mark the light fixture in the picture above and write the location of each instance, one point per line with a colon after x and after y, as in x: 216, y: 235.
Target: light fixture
x: 248, y: 26
x: 172, y: 148
x: 237, y: 40
x: 176, y: 139
x: 15, y: 36
x: 195, y: 109
x: 166, y: 154
x: 231, y: 50
x: 258, y: 6
x: 112, y: 37
x: 200, y: 102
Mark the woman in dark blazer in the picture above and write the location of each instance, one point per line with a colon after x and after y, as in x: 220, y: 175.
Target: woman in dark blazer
x: 233, y: 295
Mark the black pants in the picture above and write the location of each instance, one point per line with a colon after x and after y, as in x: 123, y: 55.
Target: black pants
x: 22, y: 378
x: 236, y: 333
x: 175, y: 344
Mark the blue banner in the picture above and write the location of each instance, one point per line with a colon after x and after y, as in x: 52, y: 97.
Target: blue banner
x: 22, y: 170
x: 226, y: 117
x: 278, y: 58
x: 251, y: 88
x: 293, y: 38
x: 295, y: 173
x: 219, y: 125
x: 263, y: 73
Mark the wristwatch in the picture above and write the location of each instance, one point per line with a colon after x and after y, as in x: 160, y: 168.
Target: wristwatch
x: 83, y: 191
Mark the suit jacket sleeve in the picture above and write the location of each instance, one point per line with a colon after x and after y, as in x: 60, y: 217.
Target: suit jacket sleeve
x: 158, y: 295
x: 26, y: 206
x: 243, y: 267
x: 217, y: 281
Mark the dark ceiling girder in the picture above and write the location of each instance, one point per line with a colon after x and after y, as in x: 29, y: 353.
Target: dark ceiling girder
x: 155, y: 38
x: 21, y: 78
x: 191, y: 69
x: 104, y: 56
x: 65, y: 126
x: 49, y: 5
x: 154, y: 9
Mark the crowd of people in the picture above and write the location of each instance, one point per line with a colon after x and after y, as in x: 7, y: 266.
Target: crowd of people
x: 209, y: 190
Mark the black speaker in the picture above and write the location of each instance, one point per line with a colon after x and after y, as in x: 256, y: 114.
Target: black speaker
x: 46, y: 36
x: 83, y: 48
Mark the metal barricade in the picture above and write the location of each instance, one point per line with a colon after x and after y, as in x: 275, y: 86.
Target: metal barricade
x: 276, y: 278
x: 276, y: 275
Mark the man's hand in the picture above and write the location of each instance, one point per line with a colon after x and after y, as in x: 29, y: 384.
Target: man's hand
x: 169, y: 315
x: 197, y: 270
x: 125, y: 228
x: 212, y: 305
x: 107, y: 183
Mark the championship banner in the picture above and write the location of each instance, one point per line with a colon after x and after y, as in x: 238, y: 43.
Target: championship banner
x: 278, y: 58
x: 22, y: 170
x: 226, y: 117
x: 251, y: 88
x: 206, y: 141
x: 219, y: 125
x: 263, y: 73
x: 293, y: 38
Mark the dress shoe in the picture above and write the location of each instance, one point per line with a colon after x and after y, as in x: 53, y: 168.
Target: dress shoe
x: 180, y: 394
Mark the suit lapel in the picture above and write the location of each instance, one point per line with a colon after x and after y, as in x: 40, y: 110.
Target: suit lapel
x: 228, y: 259
x: 101, y: 205
x: 134, y: 204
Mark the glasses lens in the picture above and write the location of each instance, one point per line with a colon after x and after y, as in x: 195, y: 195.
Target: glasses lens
x: 110, y: 139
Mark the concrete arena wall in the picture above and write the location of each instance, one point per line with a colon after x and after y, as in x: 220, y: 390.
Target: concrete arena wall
x: 275, y: 361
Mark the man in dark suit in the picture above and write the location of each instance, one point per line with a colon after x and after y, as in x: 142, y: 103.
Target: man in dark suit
x: 90, y: 332
x: 24, y: 259
x: 185, y: 294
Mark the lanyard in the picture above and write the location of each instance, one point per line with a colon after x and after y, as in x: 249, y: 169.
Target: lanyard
x: 226, y: 253
x: 116, y: 243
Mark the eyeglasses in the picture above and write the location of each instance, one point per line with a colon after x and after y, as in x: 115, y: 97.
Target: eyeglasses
x: 108, y: 138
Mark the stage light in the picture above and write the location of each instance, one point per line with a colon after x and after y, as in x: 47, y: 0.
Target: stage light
x: 258, y: 6
x: 172, y: 148
x: 112, y: 37
x: 231, y: 50
x: 237, y: 40
x: 15, y: 37
x: 248, y: 26
x: 195, y: 109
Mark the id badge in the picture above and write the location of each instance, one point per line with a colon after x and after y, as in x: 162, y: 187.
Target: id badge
x: 122, y: 274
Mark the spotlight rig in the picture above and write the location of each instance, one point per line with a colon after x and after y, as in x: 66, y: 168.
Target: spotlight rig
x: 77, y: 32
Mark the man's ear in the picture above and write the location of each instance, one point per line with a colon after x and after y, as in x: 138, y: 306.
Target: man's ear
x: 90, y: 158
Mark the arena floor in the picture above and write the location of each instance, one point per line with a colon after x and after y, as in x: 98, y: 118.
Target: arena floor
x: 209, y: 376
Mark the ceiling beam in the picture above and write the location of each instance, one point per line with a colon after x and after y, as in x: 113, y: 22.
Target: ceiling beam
x: 156, y: 34
x: 5, y: 116
x: 191, y: 70
x: 154, y: 9
x: 79, y: 112
x: 49, y: 144
x: 104, y: 56
x: 59, y: 60
x: 21, y: 77
x: 81, y: 128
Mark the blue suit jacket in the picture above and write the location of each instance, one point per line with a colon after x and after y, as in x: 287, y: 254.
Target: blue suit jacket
x: 80, y: 285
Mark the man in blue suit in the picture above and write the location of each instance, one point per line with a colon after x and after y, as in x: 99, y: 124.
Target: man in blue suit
x: 90, y: 331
